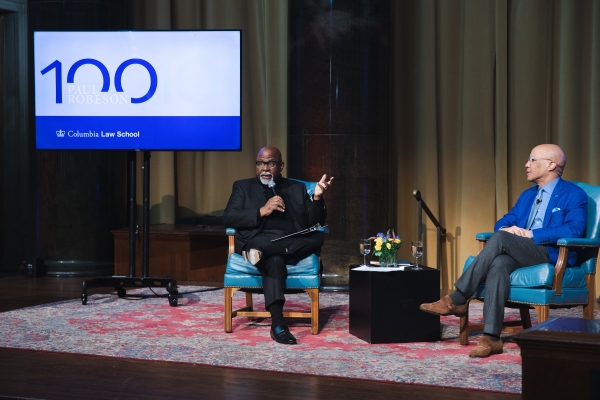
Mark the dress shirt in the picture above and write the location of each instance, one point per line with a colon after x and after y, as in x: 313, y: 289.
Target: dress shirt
x: 547, y: 189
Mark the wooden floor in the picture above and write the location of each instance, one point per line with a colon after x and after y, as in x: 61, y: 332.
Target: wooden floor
x: 30, y: 374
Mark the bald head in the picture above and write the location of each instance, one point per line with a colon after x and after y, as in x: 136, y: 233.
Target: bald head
x: 546, y: 162
x: 269, y: 152
x: 554, y: 153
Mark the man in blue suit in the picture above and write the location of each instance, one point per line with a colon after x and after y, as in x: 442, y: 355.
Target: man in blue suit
x: 526, y: 236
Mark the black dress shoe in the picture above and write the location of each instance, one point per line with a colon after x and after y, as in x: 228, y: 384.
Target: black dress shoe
x: 281, y: 334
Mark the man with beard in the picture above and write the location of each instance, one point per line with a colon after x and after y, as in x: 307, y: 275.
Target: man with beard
x: 260, y: 212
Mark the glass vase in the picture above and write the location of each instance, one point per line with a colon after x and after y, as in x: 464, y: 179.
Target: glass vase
x: 388, y: 259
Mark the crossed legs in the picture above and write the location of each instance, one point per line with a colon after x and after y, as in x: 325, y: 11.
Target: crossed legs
x: 503, y: 254
x: 272, y: 264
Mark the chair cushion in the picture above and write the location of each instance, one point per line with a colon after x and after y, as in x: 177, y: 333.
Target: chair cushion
x: 542, y: 275
x: 306, y: 266
x: 256, y: 282
x: 302, y: 275
x: 541, y: 296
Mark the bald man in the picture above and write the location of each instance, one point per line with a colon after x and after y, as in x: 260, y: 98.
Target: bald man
x: 260, y: 213
x: 527, y: 235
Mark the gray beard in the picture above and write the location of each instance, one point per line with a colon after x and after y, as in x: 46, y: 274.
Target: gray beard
x: 265, y: 181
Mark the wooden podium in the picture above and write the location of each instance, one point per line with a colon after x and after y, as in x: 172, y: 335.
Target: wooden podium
x: 183, y: 252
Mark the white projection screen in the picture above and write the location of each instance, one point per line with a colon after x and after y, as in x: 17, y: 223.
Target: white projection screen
x: 150, y: 90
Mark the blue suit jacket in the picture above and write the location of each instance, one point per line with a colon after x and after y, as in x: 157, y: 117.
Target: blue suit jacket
x: 566, y: 217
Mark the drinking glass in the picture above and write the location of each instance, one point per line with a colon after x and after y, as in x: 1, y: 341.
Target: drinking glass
x: 417, y: 251
x: 365, y: 248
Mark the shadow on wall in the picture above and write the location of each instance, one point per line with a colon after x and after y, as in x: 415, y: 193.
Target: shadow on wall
x: 167, y: 212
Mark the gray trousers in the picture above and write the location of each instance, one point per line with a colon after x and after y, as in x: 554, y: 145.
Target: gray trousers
x: 502, y: 254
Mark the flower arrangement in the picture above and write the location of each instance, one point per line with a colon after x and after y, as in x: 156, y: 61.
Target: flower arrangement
x: 386, y: 246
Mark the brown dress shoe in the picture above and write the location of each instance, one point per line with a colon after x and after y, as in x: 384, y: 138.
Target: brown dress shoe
x: 486, y: 347
x: 444, y: 306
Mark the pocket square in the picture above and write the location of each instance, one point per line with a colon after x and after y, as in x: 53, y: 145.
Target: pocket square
x: 556, y: 209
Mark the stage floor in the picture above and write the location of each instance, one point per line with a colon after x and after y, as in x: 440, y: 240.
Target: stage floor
x: 34, y: 374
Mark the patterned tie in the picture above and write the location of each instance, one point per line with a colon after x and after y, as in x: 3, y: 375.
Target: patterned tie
x: 534, y: 208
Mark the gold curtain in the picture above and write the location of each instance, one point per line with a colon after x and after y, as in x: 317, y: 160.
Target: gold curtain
x: 479, y: 83
x: 191, y: 183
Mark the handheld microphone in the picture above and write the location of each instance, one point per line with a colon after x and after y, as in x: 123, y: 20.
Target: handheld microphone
x: 271, y: 184
x: 538, y: 201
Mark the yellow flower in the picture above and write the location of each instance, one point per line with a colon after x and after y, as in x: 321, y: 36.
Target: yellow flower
x: 378, y: 241
x: 397, y: 241
x: 378, y: 247
x: 389, y: 246
x: 390, y: 239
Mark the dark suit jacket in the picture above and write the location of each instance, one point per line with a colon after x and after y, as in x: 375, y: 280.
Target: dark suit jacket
x: 248, y: 196
x: 566, y: 217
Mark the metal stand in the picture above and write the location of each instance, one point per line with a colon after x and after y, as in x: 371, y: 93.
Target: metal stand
x: 122, y: 282
x: 441, y: 231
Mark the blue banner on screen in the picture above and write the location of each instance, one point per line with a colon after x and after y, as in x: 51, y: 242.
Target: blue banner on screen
x: 167, y: 90
x: 105, y: 133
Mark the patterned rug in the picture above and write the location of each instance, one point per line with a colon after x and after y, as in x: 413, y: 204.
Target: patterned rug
x: 149, y: 329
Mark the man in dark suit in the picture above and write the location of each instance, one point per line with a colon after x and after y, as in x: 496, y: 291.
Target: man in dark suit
x: 526, y: 236
x: 260, y: 212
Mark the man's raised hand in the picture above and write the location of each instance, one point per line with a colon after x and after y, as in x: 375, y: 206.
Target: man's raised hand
x: 322, y: 186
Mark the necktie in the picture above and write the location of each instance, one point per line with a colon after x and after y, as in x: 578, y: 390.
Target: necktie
x: 534, y: 208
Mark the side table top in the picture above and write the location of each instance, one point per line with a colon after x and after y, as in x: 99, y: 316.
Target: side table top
x: 390, y: 270
x: 563, y: 329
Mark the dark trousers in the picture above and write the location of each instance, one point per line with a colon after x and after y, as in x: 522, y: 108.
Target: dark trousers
x: 275, y: 256
x: 502, y: 254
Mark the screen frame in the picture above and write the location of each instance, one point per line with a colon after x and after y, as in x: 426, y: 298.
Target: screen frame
x: 144, y: 148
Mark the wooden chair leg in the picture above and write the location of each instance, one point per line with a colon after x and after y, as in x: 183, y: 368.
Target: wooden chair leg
x: 249, y: 305
x: 588, y: 310
x: 543, y: 312
x: 228, y: 305
x: 314, y: 310
x: 525, y: 317
x: 464, y: 329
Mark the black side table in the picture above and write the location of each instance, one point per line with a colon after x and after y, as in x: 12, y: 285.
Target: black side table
x: 384, y: 306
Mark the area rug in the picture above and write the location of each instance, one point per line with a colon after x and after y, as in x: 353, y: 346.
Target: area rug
x: 148, y: 328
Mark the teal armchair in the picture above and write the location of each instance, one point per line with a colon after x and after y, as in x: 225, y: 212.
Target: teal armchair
x: 546, y: 286
x: 304, y: 276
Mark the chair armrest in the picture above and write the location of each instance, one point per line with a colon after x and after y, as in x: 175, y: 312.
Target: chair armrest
x: 231, y: 236
x: 231, y: 233
x: 484, y: 235
x: 561, y: 263
x: 579, y: 242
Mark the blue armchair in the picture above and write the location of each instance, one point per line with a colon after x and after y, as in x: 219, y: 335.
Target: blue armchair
x: 546, y: 286
x: 303, y: 276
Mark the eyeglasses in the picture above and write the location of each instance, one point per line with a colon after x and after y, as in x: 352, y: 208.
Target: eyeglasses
x: 270, y: 164
x: 534, y: 159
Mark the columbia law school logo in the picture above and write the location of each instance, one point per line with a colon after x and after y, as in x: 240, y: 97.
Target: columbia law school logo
x: 60, y: 133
